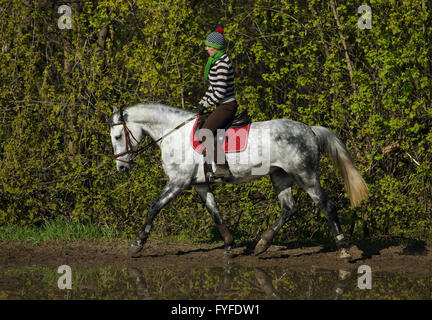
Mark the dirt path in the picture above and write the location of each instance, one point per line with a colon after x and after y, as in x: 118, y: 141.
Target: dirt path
x: 415, y: 258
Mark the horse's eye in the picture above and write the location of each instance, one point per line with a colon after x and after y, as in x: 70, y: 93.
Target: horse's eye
x: 118, y: 137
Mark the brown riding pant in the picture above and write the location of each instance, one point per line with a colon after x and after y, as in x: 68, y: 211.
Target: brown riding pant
x: 219, y: 119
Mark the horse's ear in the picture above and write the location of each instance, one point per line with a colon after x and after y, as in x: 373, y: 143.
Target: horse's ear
x: 115, y: 109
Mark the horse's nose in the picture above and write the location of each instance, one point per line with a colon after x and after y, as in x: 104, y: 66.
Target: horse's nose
x: 122, y: 168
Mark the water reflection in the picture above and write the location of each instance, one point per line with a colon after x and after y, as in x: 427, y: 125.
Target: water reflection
x: 341, y: 283
x: 226, y: 287
x: 217, y: 283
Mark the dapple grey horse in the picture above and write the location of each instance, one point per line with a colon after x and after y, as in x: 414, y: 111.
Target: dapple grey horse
x: 289, y: 151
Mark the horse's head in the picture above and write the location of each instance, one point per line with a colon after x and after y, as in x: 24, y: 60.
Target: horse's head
x: 125, y: 138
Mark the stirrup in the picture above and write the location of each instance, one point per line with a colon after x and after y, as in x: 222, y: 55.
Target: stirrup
x: 210, y: 177
x: 220, y: 173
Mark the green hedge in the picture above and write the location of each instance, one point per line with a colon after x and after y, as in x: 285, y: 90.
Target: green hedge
x: 307, y: 61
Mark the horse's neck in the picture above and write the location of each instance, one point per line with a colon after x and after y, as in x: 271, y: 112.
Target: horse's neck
x: 156, y: 120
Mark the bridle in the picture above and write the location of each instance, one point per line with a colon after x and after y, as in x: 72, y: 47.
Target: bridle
x: 128, y: 134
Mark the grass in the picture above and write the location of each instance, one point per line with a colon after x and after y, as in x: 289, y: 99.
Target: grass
x: 60, y: 230
x: 65, y: 230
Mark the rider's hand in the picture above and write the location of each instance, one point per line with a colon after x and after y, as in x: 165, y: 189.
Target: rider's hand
x: 199, y: 109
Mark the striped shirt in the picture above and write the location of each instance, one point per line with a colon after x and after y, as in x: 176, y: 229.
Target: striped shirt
x: 221, y: 89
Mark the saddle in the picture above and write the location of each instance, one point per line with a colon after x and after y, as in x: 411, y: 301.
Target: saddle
x: 236, y: 133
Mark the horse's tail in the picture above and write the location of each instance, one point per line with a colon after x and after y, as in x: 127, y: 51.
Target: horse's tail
x: 333, y: 146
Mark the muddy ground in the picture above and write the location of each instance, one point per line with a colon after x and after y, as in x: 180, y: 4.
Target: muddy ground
x: 412, y: 258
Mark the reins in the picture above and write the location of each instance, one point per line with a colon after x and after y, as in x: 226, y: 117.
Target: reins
x: 129, y: 148
x: 156, y: 141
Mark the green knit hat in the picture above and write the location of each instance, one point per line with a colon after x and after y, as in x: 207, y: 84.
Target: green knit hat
x: 216, y: 39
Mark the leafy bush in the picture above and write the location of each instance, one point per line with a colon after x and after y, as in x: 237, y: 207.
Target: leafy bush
x: 307, y: 62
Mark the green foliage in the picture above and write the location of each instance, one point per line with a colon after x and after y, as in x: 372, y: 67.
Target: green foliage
x: 57, y: 88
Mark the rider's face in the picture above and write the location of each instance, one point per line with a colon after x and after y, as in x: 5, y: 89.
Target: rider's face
x: 211, y: 51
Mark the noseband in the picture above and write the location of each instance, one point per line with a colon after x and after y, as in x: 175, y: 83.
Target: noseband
x: 127, y: 134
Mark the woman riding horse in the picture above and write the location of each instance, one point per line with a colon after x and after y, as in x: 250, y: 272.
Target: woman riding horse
x: 220, y: 73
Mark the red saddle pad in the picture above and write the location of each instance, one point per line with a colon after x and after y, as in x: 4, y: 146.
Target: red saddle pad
x: 236, y: 139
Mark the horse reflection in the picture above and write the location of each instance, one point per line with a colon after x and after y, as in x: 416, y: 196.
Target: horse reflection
x: 341, y: 283
x: 264, y: 284
x: 261, y: 282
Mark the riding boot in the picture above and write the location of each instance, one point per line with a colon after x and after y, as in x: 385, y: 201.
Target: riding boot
x: 222, y: 170
x: 208, y: 171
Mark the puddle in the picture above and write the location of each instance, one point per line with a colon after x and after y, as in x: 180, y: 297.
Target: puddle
x: 216, y: 283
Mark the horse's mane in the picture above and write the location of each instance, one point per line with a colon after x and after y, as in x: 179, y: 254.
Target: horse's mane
x: 159, y: 107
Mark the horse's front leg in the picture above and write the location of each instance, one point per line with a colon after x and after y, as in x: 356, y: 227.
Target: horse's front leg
x: 209, y: 200
x: 171, y: 190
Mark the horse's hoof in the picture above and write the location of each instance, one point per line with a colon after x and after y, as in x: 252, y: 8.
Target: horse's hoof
x: 261, y: 247
x: 344, y: 254
x: 136, y: 247
x: 265, y: 242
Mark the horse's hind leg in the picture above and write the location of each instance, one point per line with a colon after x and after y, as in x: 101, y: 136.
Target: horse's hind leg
x: 282, y: 184
x: 209, y: 200
x: 311, y: 184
